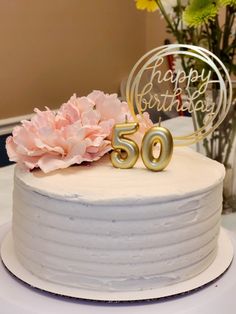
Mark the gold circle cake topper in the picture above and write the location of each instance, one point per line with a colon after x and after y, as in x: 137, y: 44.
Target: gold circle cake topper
x: 195, y: 83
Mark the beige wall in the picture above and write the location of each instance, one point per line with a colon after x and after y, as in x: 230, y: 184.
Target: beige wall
x: 53, y: 48
x: 155, y: 31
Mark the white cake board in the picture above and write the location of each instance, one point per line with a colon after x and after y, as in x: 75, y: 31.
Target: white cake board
x: 218, y: 267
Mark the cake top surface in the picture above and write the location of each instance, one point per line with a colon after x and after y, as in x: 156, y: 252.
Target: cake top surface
x: 187, y: 174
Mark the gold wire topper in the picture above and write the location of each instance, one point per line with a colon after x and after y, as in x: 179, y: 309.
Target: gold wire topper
x: 198, y: 84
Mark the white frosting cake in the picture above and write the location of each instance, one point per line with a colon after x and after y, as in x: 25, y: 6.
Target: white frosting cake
x: 101, y: 228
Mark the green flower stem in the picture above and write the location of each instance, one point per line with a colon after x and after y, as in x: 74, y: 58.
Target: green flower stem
x: 208, y: 37
x: 229, y: 39
x: 180, y: 11
x: 218, y: 33
x: 180, y: 20
x: 167, y: 18
x: 179, y: 4
x: 226, y: 28
x: 215, y: 32
x: 233, y: 44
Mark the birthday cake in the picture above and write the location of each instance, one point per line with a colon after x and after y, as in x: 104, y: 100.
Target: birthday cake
x: 91, y: 226
x: 96, y: 227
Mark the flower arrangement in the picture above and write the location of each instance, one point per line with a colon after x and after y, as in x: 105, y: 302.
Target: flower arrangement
x: 79, y: 131
x: 212, y: 25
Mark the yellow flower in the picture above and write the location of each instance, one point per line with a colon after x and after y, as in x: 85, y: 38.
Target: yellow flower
x: 149, y: 5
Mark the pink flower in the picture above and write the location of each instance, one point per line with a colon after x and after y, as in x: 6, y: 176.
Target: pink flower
x: 80, y: 131
x: 110, y: 107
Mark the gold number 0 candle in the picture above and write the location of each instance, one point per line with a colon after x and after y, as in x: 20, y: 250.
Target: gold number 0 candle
x: 126, y: 151
x: 153, y: 136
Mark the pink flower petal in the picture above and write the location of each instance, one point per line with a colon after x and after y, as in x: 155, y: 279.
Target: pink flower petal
x: 80, y: 131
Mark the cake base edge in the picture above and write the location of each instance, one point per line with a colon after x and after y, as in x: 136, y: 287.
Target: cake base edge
x: 216, y: 269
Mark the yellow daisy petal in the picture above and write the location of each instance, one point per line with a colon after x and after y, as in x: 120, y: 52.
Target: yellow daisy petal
x: 149, y: 5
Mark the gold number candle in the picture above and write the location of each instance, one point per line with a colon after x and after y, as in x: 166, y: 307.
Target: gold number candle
x: 153, y: 136
x: 126, y: 151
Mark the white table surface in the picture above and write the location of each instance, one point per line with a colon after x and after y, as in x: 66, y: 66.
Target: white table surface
x: 17, y: 298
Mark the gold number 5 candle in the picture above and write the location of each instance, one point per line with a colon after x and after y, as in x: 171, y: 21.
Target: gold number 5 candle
x: 126, y: 151
x: 153, y: 136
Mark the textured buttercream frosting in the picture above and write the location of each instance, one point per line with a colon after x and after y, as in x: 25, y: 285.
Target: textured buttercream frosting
x: 97, y: 227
